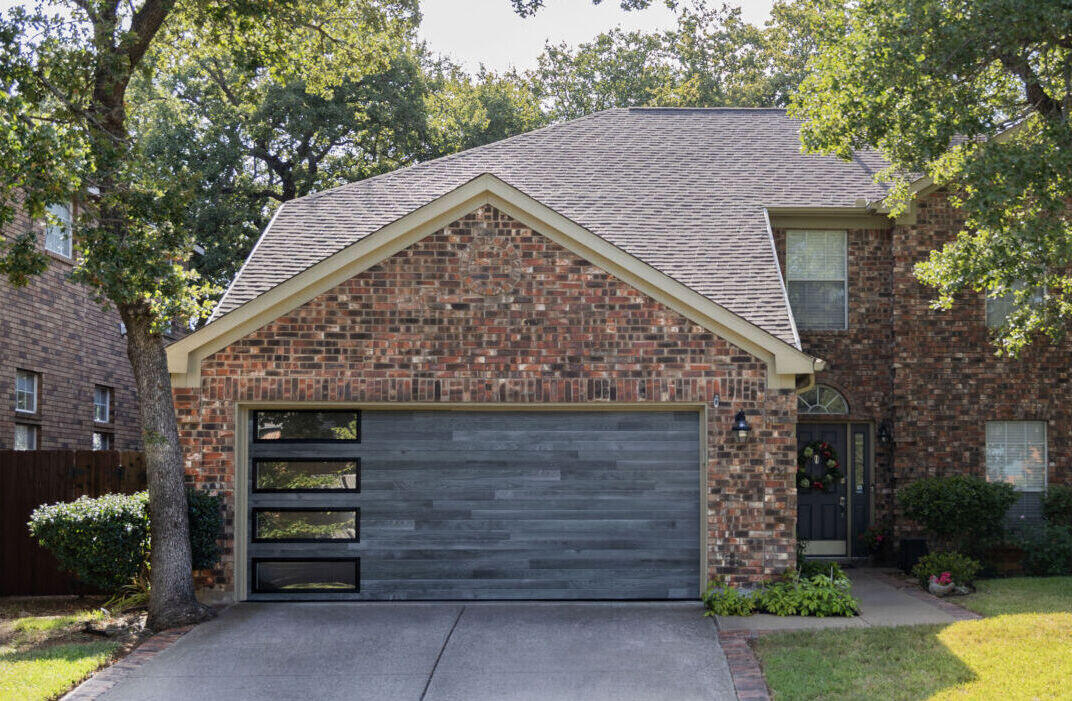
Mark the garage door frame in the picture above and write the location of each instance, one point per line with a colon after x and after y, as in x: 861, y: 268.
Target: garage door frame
x: 242, y: 458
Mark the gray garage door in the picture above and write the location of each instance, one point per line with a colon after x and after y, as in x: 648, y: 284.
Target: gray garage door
x: 474, y: 505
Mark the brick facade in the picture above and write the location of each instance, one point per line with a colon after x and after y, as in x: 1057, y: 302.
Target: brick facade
x: 53, y: 327
x: 933, y: 374
x: 488, y: 311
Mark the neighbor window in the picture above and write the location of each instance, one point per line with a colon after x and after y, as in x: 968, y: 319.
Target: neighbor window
x: 1016, y: 453
x: 26, y: 384
x: 817, y: 279
x: 1000, y: 306
x: 102, y: 404
x: 58, y: 234
x: 25, y: 437
x: 102, y: 441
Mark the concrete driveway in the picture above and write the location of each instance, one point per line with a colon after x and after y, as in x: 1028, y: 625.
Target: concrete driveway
x: 436, y: 652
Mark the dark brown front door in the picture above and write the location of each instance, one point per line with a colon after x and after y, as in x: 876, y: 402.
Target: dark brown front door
x: 822, y: 515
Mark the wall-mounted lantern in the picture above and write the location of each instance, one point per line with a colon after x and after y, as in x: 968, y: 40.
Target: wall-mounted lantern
x: 741, y: 427
x: 885, y: 434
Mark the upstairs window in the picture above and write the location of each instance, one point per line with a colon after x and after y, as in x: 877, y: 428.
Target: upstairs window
x: 58, y: 234
x: 1000, y: 306
x: 26, y: 387
x: 817, y: 278
x: 102, y: 404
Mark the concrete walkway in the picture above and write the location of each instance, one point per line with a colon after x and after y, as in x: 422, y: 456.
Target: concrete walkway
x: 881, y: 604
x: 439, y: 652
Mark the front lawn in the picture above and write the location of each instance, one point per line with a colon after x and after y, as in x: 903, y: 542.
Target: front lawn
x: 1023, y: 652
x: 994, y: 597
x: 44, y: 649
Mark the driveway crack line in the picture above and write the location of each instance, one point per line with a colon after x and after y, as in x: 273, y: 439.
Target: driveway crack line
x: 446, y: 640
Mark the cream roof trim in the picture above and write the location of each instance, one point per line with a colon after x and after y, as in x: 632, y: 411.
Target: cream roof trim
x: 784, y: 361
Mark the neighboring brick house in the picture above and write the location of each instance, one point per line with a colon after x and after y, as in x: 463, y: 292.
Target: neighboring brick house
x: 65, y: 381
x: 566, y: 365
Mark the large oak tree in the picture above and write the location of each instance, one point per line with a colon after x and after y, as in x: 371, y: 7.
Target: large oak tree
x: 975, y: 95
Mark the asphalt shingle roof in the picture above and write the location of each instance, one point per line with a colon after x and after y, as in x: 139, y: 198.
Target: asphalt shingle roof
x: 681, y: 189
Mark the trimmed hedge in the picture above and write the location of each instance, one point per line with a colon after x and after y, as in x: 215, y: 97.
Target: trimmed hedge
x: 104, y: 541
x: 1057, y: 505
x: 960, y: 511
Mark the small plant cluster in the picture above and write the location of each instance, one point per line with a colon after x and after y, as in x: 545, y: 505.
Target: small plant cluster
x: 877, y: 538
x: 104, y: 541
x: 953, y: 566
x: 818, y: 595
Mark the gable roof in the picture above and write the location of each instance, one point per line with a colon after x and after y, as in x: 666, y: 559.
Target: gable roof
x: 785, y: 362
x: 683, y: 190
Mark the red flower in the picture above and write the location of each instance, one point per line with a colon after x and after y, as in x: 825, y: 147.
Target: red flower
x: 817, y: 485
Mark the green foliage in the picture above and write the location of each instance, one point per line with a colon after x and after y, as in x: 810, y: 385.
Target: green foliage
x: 973, y: 94
x: 711, y: 58
x: 810, y: 568
x: 724, y: 600
x: 1057, y: 505
x: 961, y: 567
x: 964, y: 511
x: 1047, y: 550
x: 206, y: 527
x: 104, y: 541
x: 819, y: 596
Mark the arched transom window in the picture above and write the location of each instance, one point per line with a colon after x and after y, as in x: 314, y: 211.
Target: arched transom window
x: 822, y: 399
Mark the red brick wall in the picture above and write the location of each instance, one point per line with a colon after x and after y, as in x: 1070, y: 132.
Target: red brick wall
x: 53, y: 327
x: 933, y: 374
x: 486, y: 310
x: 949, y: 380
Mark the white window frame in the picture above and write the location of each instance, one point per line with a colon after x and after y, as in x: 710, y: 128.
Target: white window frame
x: 1045, y: 455
x: 33, y: 432
x: 64, y: 233
x: 33, y: 395
x: 107, y: 404
x: 820, y: 408
x: 845, y: 281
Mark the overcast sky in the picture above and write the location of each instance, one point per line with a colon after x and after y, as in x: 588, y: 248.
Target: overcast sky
x: 489, y: 32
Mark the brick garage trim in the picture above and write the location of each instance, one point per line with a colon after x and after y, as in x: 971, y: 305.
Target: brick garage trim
x: 563, y: 332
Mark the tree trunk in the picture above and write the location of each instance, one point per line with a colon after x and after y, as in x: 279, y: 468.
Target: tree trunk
x: 172, y: 601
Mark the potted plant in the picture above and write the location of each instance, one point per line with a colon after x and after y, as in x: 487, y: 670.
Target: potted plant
x: 877, y: 539
x: 941, y: 584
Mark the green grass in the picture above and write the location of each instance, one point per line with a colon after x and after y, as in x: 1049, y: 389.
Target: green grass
x: 1024, y: 651
x: 43, y: 649
x: 45, y: 673
x: 994, y: 597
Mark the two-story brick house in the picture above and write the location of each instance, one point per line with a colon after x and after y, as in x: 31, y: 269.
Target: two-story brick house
x: 65, y: 380
x: 584, y: 363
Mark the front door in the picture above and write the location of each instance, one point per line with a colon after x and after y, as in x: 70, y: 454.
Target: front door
x: 822, y: 513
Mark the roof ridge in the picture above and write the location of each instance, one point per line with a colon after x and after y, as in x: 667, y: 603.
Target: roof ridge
x: 704, y: 109
x: 457, y: 154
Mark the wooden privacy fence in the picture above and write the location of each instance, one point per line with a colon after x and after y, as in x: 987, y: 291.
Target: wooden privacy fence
x: 31, y: 478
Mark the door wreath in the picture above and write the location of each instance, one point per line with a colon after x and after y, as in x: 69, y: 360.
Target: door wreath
x: 818, y: 454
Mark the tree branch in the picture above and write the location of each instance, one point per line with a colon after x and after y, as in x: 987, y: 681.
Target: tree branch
x: 1043, y: 102
x: 144, y: 26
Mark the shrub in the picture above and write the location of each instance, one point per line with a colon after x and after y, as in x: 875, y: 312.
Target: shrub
x: 104, y: 541
x: 962, y: 568
x: 206, y: 528
x: 1057, y: 505
x: 810, y: 568
x: 962, y: 511
x: 724, y: 600
x: 818, y: 596
x: 1047, y: 550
